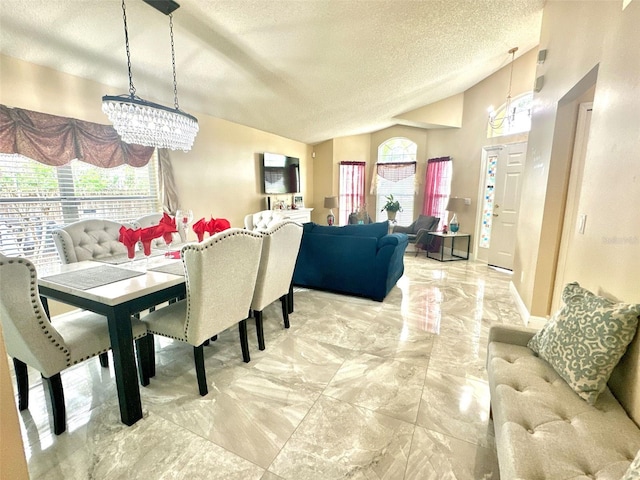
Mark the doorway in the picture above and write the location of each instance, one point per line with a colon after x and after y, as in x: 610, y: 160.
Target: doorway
x: 502, y: 176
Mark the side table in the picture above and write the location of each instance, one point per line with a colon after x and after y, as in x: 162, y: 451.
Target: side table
x: 443, y: 239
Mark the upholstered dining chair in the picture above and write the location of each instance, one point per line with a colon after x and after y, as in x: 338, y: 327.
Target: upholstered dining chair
x: 262, y: 220
x: 49, y: 346
x: 153, y: 219
x: 89, y: 239
x: 220, y: 275
x: 280, y: 248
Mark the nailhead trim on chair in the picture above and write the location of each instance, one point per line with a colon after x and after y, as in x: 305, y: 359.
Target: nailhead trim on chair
x: 34, y: 302
x: 218, y: 237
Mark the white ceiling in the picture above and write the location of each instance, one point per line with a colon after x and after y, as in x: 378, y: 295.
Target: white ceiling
x: 307, y: 70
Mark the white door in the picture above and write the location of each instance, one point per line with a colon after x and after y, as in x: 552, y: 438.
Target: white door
x: 508, y: 186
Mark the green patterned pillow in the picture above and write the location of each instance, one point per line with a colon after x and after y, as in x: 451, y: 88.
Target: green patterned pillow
x: 633, y: 473
x: 585, y: 339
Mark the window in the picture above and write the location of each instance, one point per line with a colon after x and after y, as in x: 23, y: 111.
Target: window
x: 351, y: 189
x: 518, y: 119
x: 35, y: 199
x: 398, y: 179
x: 437, y: 188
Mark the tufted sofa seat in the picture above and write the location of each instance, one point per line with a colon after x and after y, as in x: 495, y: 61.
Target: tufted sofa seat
x: 89, y: 239
x: 262, y: 220
x: 543, y: 429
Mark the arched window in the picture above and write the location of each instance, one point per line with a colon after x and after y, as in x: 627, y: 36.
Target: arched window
x: 395, y: 175
x: 516, y: 120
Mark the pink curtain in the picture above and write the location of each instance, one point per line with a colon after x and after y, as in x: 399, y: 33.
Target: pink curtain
x: 351, y: 189
x: 55, y: 140
x: 437, y: 188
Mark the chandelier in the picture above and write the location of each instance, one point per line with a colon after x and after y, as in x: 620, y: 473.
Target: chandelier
x: 141, y: 122
x: 497, y: 121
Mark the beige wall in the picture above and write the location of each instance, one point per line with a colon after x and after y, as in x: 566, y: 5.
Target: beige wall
x: 323, y: 180
x: 465, y: 144
x: 579, y: 37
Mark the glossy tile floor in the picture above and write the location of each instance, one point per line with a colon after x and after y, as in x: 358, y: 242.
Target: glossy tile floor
x: 354, y: 389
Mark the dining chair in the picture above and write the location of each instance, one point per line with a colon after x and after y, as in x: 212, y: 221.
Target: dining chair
x: 280, y: 247
x: 89, y: 239
x: 220, y: 275
x: 50, y: 346
x: 153, y: 219
x: 262, y: 220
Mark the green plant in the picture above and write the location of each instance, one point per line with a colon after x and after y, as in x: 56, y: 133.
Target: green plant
x: 391, y: 205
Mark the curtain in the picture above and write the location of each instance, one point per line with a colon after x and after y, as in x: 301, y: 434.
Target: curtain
x: 351, y: 189
x: 168, y: 189
x: 437, y: 188
x: 394, y: 172
x: 55, y: 140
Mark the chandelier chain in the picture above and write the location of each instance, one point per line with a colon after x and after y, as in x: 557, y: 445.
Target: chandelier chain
x: 173, y: 63
x: 132, y: 89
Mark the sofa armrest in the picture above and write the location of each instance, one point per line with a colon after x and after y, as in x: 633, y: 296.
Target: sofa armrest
x: 393, y: 239
x: 512, y: 334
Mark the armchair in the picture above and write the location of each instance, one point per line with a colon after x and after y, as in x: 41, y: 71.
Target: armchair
x: 50, y: 347
x: 417, y: 231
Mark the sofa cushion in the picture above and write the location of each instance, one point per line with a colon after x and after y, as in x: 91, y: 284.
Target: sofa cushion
x: 586, y: 338
x: 545, y: 431
x: 633, y: 472
x: 377, y: 230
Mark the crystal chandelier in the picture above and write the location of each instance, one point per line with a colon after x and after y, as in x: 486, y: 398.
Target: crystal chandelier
x: 141, y: 122
x: 496, y: 122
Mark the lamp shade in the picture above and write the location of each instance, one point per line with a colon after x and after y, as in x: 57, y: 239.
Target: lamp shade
x: 330, y: 202
x: 454, y: 204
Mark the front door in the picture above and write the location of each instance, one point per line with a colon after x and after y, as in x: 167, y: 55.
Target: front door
x: 509, y: 172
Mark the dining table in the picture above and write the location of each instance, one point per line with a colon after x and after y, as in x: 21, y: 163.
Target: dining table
x: 117, y: 290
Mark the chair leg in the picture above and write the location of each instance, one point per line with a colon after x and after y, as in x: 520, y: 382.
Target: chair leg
x: 104, y: 360
x: 244, y: 342
x: 259, y: 329
x: 285, y: 310
x: 56, y: 395
x: 290, y: 298
x: 22, y: 379
x: 142, y: 345
x: 151, y: 354
x: 198, y: 356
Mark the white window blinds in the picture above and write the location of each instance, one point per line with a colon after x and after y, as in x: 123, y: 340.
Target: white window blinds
x: 35, y: 199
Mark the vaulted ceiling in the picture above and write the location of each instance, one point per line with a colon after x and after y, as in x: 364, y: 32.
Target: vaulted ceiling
x: 308, y: 70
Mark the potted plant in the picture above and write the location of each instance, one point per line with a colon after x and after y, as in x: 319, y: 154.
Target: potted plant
x: 392, y: 207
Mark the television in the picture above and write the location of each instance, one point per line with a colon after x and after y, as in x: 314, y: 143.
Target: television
x: 281, y: 174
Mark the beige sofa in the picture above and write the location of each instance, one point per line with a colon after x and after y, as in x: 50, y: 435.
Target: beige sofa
x: 544, y: 430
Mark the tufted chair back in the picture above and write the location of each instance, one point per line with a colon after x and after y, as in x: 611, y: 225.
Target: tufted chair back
x: 28, y: 333
x: 89, y: 239
x: 221, y: 275
x: 153, y: 219
x: 262, y: 220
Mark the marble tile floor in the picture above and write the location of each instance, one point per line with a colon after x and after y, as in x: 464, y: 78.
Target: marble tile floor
x: 354, y: 389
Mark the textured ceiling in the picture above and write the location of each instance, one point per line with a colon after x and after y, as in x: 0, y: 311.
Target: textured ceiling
x: 307, y: 70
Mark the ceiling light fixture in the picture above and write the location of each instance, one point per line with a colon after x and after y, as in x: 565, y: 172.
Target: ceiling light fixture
x: 141, y: 122
x: 497, y: 121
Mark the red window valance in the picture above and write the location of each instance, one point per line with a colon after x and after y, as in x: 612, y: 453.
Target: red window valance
x: 55, y: 140
x: 394, y: 172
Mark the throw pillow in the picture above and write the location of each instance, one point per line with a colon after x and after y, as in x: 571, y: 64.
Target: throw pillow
x: 586, y: 338
x: 633, y: 472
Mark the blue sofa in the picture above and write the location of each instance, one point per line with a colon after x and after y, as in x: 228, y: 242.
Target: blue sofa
x: 361, y: 260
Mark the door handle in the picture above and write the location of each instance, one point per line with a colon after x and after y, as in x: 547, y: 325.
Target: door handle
x: 496, y: 215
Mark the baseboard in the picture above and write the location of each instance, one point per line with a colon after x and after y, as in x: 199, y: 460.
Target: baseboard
x: 527, y: 319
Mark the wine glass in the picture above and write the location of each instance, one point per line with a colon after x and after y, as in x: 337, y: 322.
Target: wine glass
x: 184, y: 217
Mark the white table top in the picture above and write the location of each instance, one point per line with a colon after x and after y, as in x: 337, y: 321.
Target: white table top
x: 117, y: 292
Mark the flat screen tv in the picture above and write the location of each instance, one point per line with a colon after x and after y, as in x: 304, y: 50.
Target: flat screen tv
x: 281, y: 173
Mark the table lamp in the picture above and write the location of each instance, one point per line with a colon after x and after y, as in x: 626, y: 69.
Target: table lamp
x: 331, y: 203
